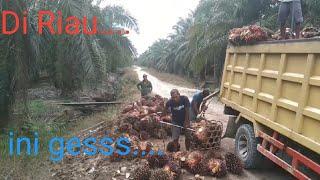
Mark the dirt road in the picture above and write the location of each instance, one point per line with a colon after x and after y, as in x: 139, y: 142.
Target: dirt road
x: 215, y: 111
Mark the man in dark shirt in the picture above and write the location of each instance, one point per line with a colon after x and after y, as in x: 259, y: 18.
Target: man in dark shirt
x: 179, y: 107
x: 196, y: 102
x: 145, y: 86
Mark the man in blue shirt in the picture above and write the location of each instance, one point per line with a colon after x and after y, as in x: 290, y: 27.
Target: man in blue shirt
x: 196, y: 102
x: 179, y: 107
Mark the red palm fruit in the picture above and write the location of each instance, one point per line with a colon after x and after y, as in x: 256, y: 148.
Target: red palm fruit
x: 234, y: 164
x: 216, y: 168
x: 126, y: 109
x: 202, y: 134
x: 173, y: 169
x: 173, y: 147
x: 157, y: 161
x: 133, y: 132
x: 126, y: 127
x: 160, y: 174
x: 141, y: 173
x: 166, y: 118
x: 145, y: 147
x: 194, y: 162
x: 152, y: 109
x: 178, y: 155
x: 144, y: 135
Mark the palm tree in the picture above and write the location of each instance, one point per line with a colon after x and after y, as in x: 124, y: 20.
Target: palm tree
x: 70, y: 60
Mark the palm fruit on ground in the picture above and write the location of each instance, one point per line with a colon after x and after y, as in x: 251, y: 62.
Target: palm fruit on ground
x: 131, y: 117
x: 174, y: 169
x: 181, y: 158
x: 234, y: 163
x: 145, y: 147
x: 141, y: 173
x: 193, y: 162
x: 166, y: 118
x: 161, y: 174
x: 124, y: 128
x: 157, y: 161
x: 144, y: 135
x: 173, y: 147
x: 215, y: 167
x: 144, y: 124
x: 127, y: 109
x: 134, y: 132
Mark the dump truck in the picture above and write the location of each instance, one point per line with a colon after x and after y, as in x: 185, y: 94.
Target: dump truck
x: 272, y: 92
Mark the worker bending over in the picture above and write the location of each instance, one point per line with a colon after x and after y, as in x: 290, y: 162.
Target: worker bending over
x: 196, y: 102
x: 179, y: 107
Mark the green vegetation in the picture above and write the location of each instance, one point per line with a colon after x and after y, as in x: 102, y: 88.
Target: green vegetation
x: 197, y: 47
x: 67, y: 61
x: 39, y: 166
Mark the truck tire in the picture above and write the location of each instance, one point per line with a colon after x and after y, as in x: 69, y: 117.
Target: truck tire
x: 246, y: 146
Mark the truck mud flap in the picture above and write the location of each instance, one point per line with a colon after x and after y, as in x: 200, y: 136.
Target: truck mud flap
x: 269, y: 147
x: 231, y: 128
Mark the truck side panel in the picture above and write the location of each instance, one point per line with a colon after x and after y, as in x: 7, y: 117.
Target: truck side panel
x: 277, y: 85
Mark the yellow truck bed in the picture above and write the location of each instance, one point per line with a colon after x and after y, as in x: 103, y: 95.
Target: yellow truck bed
x: 277, y: 84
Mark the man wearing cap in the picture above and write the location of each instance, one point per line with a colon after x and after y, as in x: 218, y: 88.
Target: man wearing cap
x: 179, y: 107
x: 287, y: 7
x: 196, y: 102
x: 145, y: 86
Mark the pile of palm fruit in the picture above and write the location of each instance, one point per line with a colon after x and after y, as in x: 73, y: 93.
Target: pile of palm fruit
x: 310, y: 32
x: 170, y: 167
x: 251, y: 34
x: 138, y: 122
x: 141, y: 119
x: 247, y: 35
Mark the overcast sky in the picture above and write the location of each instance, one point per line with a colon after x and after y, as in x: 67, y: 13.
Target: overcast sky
x: 155, y: 18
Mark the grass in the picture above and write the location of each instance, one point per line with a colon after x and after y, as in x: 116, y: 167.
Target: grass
x: 38, y: 167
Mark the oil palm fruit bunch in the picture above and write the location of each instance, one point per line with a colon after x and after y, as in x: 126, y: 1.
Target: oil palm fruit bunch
x: 128, y: 108
x: 180, y: 158
x: 161, y: 174
x: 134, y: 132
x: 141, y: 173
x: 201, y: 134
x: 144, y: 135
x: 125, y: 127
x: 215, y: 167
x: 145, y: 147
x: 143, y: 125
x: 173, y: 169
x: 173, y: 147
x: 234, y: 163
x: 157, y: 161
x: 193, y: 162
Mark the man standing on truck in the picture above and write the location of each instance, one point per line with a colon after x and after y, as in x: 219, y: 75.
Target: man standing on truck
x: 196, y: 102
x: 145, y: 86
x: 287, y: 7
x: 179, y: 107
